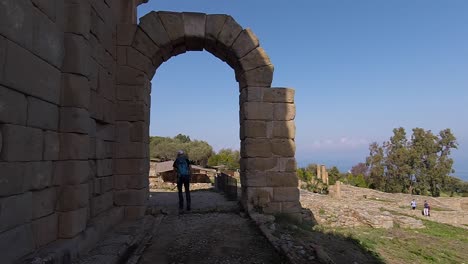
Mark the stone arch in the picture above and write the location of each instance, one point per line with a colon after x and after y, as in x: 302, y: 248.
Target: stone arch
x: 267, y: 128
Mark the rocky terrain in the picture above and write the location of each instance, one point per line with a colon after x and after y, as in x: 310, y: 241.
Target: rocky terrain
x: 366, y: 207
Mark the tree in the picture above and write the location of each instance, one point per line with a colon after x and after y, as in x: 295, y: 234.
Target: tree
x: 376, y: 166
x: 165, y: 148
x: 398, y: 163
x: 420, y: 166
x: 359, y: 169
x: 227, y: 157
x: 333, y: 175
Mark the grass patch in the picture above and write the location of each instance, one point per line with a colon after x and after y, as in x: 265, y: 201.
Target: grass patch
x: 437, y: 243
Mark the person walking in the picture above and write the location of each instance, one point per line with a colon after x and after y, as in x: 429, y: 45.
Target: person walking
x: 182, y: 168
x: 413, y: 204
x: 426, y: 208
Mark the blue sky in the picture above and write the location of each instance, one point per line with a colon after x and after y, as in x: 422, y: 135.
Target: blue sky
x: 360, y: 68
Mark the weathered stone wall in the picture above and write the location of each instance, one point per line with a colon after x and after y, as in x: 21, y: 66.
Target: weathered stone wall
x: 74, y: 118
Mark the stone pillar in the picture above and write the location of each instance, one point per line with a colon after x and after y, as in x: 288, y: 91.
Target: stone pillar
x: 131, y: 152
x: 319, y: 172
x: 268, y: 166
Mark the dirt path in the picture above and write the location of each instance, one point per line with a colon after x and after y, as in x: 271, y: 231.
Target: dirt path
x: 213, y: 232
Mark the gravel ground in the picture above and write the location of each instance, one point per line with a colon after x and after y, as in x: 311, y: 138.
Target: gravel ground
x: 213, y: 232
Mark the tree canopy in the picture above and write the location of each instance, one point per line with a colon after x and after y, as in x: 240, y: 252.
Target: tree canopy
x: 165, y: 148
x: 420, y: 165
x: 227, y: 157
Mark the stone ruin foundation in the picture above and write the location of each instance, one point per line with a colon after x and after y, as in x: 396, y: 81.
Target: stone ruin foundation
x: 74, y: 118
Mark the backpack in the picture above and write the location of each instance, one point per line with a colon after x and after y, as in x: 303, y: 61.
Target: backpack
x: 182, y: 166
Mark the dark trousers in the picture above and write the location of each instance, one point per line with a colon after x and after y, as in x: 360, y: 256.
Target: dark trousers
x: 184, y: 180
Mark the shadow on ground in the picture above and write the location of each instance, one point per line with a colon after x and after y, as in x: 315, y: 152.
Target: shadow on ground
x: 329, y: 247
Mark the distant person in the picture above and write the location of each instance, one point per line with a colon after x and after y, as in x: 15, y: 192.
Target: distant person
x: 413, y: 204
x: 182, y: 168
x: 426, y: 208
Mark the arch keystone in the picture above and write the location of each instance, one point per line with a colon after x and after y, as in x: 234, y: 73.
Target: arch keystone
x: 194, y: 27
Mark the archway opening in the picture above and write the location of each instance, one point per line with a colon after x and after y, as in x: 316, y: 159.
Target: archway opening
x: 266, y: 115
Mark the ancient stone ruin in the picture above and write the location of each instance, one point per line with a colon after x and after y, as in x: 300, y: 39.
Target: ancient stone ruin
x: 74, y: 118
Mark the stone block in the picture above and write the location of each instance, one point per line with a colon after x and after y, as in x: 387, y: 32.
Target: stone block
x: 256, y: 147
x: 254, y: 179
x: 131, y: 166
x: 284, y: 111
x: 19, y: 241
x: 194, y: 27
x: 287, y: 164
x: 3, y: 51
x: 122, y: 131
x: 104, y: 149
x: 139, y: 131
x: 103, y: 185
x: 11, y: 178
x: 77, y: 55
x: 252, y: 94
x: 42, y: 114
x: 43, y: 202
x: 130, y: 76
x: 146, y: 46
x: 283, y: 147
x: 47, y: 39
x: 104, y: 167
x: 125, y: 34
x: 72, y: 197
x: 71, y: 172
x: 45, y: 230
x: 258, y: 164
x: 279, y: 95
x: 259, y: 196
x: 132, y: 111
x: 47, y: 7
x: 229, y: 33
x: 27, y: 73
x: 214, y: 25
x: 13, y: 210
x: 74, y: 146
x: 93, y: 75
x: 254, y: 59
x: 37, y: 175
x: 106, y: 84
x: 13, y: 106
x: 101, y: 203
x: 105, y: 131
x: 253, y: 129
x: 21, y: 143
x: 286, y: 194
x: 75, y: 91
x: 71, y: 223
x: 79, y: 18
x: 133, y: 181
x: 260, y: 77
x: 282, y: 179
x: 134, y: 212
x: 131, y: 197
x: 258, y: 111
x: 246, y: 42
x: 131, y: 150
x: 17, y: 21
x: 51, y: 146
x: 283, y: 129
x: 174, y: 24
x: 153, y: 27
x: 137, y: 60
